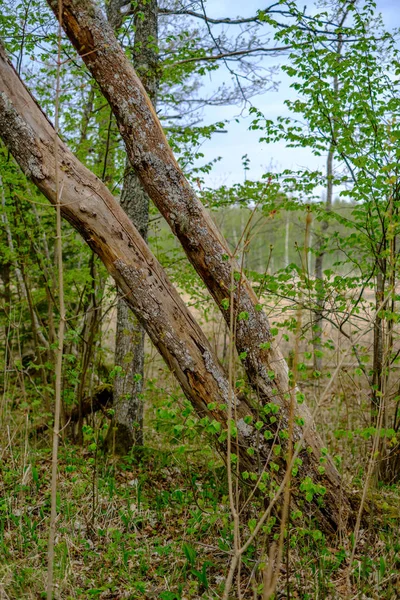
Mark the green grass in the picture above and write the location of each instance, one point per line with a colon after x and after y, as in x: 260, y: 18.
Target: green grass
x: 158, y: 526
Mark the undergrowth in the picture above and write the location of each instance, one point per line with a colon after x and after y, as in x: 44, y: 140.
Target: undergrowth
x: 156, y: 525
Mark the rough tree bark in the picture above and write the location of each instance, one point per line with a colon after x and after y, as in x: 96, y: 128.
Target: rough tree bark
x: 127, y: 429
x: 161, y: 177
x: 127, y: 426
x: 91, y: 209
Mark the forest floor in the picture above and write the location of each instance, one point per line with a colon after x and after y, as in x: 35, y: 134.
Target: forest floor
x: 157, y: 525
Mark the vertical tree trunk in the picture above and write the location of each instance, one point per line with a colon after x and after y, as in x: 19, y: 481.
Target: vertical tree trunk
x: 377, y: 366
x: 287, y: 229
x: 320, y: 252
x: 388, y: 470
x: 5, y: 276
x: 319, y: 260
x: 127, y: 428
x: 88, y: 334
x: 87, y: 113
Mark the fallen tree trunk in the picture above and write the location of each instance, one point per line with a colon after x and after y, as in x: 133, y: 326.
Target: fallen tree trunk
x: 166, y: 185
x: 89, y: 206
x: 101, y: 399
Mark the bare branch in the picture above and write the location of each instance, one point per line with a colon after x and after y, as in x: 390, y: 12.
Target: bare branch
x: 224, y: 55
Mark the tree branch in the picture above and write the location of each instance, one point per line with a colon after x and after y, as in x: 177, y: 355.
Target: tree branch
x: 224, y: 55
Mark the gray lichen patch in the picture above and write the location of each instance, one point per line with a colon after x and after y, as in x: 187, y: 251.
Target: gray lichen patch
x: 216, y: 371
x: 245, y: 429
x: 20, y: 139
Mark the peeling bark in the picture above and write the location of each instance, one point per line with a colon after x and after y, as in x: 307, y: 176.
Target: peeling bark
x: 90, y: 208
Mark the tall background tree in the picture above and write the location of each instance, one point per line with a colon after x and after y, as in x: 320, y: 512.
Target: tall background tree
x: 127, y: 430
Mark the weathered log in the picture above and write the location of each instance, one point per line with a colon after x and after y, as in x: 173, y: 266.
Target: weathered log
x: 101, y: 399
x: 89, y: 206
x: 161, y: 177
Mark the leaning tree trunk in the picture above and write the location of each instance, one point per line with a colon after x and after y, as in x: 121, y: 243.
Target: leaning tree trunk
x: 91, y: 209
x: 161, y: 177
x: 127, y: 429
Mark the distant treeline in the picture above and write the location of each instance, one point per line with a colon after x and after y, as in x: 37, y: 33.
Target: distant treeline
x: 270, y: 240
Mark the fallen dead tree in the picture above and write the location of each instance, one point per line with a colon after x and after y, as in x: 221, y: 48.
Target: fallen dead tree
x: 101, y: 399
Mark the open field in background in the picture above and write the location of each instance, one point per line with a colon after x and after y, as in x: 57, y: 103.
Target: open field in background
x: 346, y: 407
x: 343, y: 416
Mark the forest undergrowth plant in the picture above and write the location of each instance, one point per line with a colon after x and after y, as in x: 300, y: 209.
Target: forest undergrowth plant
x: 310, y: 489
x: 275, y: 551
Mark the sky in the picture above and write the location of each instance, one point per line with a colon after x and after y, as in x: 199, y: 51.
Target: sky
x: 238, y: 140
